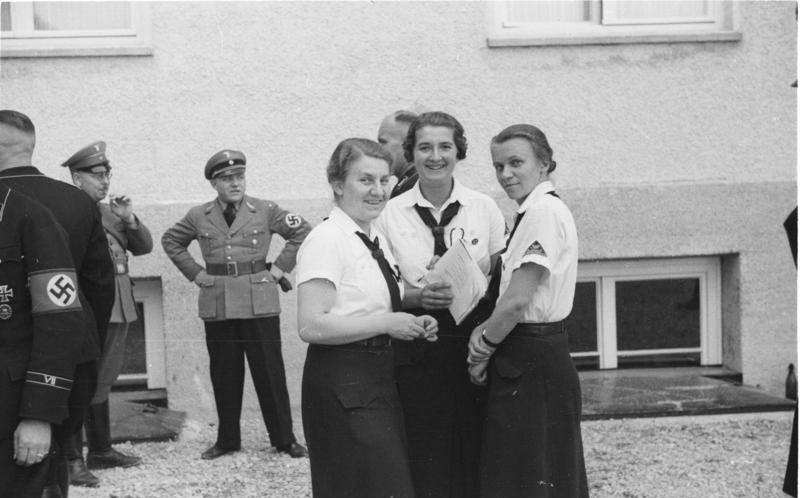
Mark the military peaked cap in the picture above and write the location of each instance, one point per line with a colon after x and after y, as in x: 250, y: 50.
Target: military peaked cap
x: 88, y: 157
x: 224, y: 161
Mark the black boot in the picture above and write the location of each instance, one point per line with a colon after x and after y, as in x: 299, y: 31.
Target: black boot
x: 98, y: 433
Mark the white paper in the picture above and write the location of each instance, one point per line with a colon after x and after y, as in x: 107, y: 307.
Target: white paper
x: 467, y: 282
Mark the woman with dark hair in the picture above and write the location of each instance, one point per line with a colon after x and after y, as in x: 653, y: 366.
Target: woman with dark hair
x: 532, y: 438
x: 442, y: 408
x: 348, y: 309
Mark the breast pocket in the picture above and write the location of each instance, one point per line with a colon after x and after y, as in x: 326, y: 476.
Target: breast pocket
x: 255, y: 238
x: 264, y: 292
x: 205, y: 239
x: 11, y: 254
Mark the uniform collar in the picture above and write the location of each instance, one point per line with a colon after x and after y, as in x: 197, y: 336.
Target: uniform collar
x: 537, y: 193
x: 20, y: 171
x: 414, y: 196
x: 345, y: 223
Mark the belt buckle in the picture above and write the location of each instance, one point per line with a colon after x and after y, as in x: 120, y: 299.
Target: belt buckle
x: 232, y: 269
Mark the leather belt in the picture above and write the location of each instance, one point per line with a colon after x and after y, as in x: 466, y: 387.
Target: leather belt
x: 234, y: 269
x: 539, y: 329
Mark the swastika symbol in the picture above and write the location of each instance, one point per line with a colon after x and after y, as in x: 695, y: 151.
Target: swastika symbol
x: 293, y: 220
x: 61, y: 290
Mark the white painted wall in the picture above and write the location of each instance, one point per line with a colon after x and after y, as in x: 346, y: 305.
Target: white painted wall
x: 663, y: 149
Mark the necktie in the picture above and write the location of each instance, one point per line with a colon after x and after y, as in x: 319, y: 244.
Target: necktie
x: 438, y: 228
x: 388, y: 274
x: 493, y: 291
x: 229, y: 213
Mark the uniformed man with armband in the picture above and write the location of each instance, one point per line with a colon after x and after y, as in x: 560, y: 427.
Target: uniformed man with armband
x: 238, y: 298
x: 41, y: 332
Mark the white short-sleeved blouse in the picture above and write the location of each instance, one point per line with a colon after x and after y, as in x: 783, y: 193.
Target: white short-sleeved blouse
x: 333, y: 251
x: 479, y: 223
x: 547, y: 237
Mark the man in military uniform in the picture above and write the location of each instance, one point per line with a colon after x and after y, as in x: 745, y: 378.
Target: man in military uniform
x: 238, y: 298
x: 80, y: 218
x: 41, y: 327
x: 391, y: 135
x: 91, y: 172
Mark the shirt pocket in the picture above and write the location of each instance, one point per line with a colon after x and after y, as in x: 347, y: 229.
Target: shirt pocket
x: 11, y: 254
x: 264, y: 291
x: 206, y: 241
x: 255, y: 239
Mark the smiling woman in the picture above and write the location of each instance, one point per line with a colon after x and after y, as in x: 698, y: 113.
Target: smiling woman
x: 420, y: 226
x: 348, y: 309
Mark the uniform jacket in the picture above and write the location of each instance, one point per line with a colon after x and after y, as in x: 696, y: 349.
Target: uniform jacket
x: 79, y: 216
x: 41, y: 319
x: 121, y: 239
x: 246, y: 240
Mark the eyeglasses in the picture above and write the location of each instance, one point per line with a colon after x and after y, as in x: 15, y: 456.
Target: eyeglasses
x: 105, y: 175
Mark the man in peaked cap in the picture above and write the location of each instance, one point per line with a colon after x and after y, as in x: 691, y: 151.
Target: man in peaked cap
x: 238, y: 298
x: 80, y: 218
x: 91, y: 172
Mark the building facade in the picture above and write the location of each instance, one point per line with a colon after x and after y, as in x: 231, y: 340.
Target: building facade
x: 674, y: 130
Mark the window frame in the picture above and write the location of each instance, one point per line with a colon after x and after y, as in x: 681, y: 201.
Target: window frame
x: 24, y: 41
x: 148, y: 292
x: 601, y: 31
x: 607, y: 273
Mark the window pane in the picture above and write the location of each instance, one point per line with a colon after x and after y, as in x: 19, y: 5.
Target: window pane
x: 135, y: 361
x: 5, y: 16
x: 538, y: 11
x: 658, y: 314
x: 58, y: 16
x: 648, y: 9
x: 582, y: 322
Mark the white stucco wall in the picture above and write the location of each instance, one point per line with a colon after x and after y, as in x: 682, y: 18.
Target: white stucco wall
x: 663, y: 149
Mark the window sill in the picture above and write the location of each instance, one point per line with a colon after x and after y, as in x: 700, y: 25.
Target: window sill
x: 16, y: 53
x: 530, y: 40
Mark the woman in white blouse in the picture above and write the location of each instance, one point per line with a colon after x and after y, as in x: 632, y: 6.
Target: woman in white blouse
x: 532, y: 438
x: 348, y: 309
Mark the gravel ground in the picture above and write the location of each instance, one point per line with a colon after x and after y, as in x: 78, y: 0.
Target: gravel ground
x: 677, y: 457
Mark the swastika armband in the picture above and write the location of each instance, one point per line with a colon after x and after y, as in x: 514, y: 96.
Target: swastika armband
x: 54, y: 291
x: 292, y: 220
x: 48, y: 380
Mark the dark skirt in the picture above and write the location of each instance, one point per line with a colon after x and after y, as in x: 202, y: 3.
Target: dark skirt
x: 443, y: 412
x: 353, y: 423
x: 532, y: 444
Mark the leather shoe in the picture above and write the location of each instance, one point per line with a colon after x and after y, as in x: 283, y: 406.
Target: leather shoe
x: 110, y: 458
x: 215, y: 452
x: 294, y: 450
x: 52, y: 491
x: 79, y: 475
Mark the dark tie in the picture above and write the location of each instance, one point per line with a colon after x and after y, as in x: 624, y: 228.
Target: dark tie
x: 438, y: 228
x: 229, y: 213
x: 386, y: 270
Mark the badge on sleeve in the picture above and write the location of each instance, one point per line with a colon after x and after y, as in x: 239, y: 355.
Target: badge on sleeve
x: 292, y: 220
x: 53, y: 291
x: 535, y: 248
x: 61, y: 290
